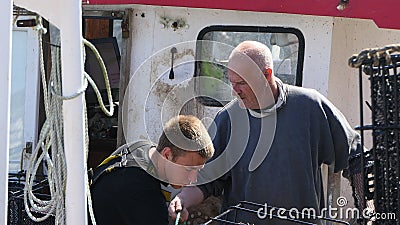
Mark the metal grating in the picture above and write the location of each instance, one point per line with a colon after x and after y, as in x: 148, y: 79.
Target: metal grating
x: 279, y: 215
x: 16, y: 209
x: 379, y: 175
x: 19, y: 11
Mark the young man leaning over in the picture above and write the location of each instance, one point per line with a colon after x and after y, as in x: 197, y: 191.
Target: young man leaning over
x: 126, y: 188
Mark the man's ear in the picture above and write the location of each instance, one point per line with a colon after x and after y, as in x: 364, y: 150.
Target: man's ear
x: 268, y: 73
x: 167, y: 153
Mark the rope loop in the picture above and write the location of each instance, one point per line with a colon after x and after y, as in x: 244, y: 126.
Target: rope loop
x: 71, y: 96
x: 39, y: 25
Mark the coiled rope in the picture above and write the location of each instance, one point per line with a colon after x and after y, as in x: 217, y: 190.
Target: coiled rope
x: 51, y: 138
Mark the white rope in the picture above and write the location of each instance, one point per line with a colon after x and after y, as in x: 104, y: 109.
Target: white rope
x: 51, y: 139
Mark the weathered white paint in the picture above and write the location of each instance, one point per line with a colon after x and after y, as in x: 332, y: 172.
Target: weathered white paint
x: 152, y: 32
x: 67, y: 16
x: 135, y: 101
x: 51, y: 10
x: 329, y: 42
x: 5, y: 82
x: 350, y: 36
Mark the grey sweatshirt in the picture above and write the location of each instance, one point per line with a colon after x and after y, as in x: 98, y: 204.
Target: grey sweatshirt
x: 276, y: 159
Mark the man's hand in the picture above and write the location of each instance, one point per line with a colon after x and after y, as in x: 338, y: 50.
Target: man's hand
x: 176, y: 206
x: 189, y: 196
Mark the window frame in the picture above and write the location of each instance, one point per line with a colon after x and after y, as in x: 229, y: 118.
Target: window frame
x: 207, y: 101
x: 31, y: 92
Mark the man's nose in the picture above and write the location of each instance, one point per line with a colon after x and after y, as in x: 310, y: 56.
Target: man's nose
x: 235, y: 90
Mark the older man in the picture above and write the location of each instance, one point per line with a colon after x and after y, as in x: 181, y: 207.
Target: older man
x: 288, y: 133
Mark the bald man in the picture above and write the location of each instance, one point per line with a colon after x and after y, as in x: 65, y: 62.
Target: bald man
x: 283, y: 134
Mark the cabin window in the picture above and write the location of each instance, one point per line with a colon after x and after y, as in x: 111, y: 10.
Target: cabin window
x: 215, y: 44
x: 24, y: 95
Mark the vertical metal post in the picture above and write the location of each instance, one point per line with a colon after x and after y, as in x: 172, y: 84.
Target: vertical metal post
x: 362, y: 204
x: 73, y: 113
x: 333, y: 192
x: 67, y: 16
x: 125, y: 73
x: 5, y: 83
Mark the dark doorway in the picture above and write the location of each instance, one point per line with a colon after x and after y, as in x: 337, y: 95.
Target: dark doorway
x: 101, y: 32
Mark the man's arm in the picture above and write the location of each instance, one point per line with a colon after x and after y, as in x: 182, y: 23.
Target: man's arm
x: 190, y: 196
x: 340, y: 140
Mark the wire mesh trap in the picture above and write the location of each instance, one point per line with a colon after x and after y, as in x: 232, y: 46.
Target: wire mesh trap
x: 258, y: 213
x: 16, y: 209
x: 376, y: 183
